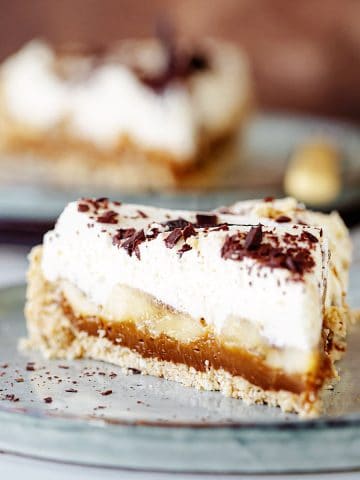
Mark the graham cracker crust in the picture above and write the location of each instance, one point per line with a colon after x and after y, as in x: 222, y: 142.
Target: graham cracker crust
x: 51, y: 332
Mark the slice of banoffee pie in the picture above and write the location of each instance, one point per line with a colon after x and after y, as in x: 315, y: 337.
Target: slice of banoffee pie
x: 217, y: 301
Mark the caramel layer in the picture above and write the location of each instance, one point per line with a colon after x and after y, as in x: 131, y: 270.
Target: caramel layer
x: 201, y: 354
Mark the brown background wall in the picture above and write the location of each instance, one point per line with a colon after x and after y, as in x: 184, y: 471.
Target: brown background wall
x: 305, y: 55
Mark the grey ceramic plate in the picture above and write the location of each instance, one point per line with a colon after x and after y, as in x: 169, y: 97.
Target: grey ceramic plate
x: 152, y: 424
x: 256, y: 171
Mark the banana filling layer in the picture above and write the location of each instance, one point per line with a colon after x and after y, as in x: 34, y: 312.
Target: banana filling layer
x: 136, y: 320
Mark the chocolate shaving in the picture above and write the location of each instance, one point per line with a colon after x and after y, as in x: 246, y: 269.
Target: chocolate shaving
x: 294, y: 258
x: 121, y: 234
x: 172, y: 239
x: 131, y: 244
x: 277, y: 259
x: 108, y: 217
x: 83, y: 207
x: 188, y: 231
x: 253, y: 238
x: 290, y: 238
x: 142, y: 214
x: 203, y: 220
x: 299, y: 261
x: 179, y: 63
x: 283, y: 219
x: 178, y: 223
x: 101, y: 200
x: 71, y: 390
x: 11, y: 397
x: 178, y: 67
x: 154, y: 232
x: 309, y: 236
x: 198, y: 62
x: 96, y: 204
x: 291, y: 264
x: 48, y: 400
x: 185, y: 248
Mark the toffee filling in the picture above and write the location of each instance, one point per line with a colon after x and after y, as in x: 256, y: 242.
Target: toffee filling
x: 201, y: 354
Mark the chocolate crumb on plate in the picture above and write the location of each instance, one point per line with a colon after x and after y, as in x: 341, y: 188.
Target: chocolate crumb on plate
x: 11, y: 397
x: 106, y: 393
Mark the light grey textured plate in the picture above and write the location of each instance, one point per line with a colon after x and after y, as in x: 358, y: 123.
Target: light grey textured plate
x: 152, y: 424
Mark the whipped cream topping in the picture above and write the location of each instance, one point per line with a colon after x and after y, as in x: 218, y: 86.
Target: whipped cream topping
x: 111, y: 102
x: 97, y: 246
x: 288, y: 211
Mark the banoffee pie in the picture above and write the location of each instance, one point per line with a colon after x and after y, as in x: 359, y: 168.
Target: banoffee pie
x: 249, y: 299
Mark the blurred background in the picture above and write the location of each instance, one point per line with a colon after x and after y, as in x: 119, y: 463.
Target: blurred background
x: 305, y: 56
x: 305, y: 65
